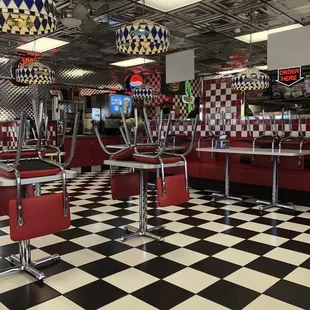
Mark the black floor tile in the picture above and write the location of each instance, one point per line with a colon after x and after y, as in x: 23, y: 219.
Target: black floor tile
x: 229, y: 295
x: 87, y: 213
x: 198, y: 232
x: 306, y: 264
x: 267, y: 221
x: 82, y: 222
x: 28, y: 296
x: 206, y: 247
x: 121, y: 212
x: 162, y: 295
x: 72, y: 233
x: 95, y: 295
x: 117, y: 222
x: 300, y: 220
x: 280, y: 232
x: 110, y: 248
x: 291, y: 293
x: 272, y: 267
x: 253, y: 247
x: 158, y: 248
x: 157, y: 221
x: 240, y: 232
x: 215, y: 204
x: 188, y: 212
x: 156, y: 212
x: 297, y: 246
x: 160, y: 267
x: 62, y: 248
x: 229, y: 221
x: 222, y: 212
x: 216, y: 267
x: 113, y: 233
x: 54, y: 268
x: 192, y: 221
x: 104, y: 267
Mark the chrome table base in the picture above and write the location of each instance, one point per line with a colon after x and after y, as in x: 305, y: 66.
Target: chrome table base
x: 275, y: 190
x: 143, y: 231
x: 216, y: 196
x: 23, y: 262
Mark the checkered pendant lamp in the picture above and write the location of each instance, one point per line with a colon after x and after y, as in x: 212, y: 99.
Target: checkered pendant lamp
x: 143, y: 92
x: 34, y: 73
x: 142, y: 37
x: 250, y: 79
x: 27, y: 17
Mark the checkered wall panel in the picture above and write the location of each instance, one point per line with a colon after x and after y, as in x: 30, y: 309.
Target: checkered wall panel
x: 218, y: 97
x: 155, y: 82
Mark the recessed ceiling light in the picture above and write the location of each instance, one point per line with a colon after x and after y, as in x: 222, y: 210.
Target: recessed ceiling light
x: 132, y: 62
x: 168, y: 5
x: 42, y: 45
x: 263, y: 35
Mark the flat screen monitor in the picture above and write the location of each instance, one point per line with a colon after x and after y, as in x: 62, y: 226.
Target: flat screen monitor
x: 95, y: 114
x: 118, y: 102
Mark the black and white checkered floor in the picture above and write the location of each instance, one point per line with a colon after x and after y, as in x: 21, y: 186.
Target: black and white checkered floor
x: 227, y: 255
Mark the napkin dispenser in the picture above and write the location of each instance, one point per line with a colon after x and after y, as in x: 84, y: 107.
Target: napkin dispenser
x: 222, y: 144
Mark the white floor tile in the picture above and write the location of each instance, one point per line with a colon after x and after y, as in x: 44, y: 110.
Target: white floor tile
x: 294, y: 226
x: 243, y: 216
x: 215, y: 226
x: 185, y: 256
x: 191, y: 280
x: 300, y: 276
x: 60, y: 303
x: 97, y: 227
x: 237, y: 257
x: 81, y: 257
x: 223, y: 239
x: 102, y: 217
x: 278, y: 216
x: 180, y: 239
x: 177, y: 226
x: 128, y: 302
x: 131, y: 280
x: 287, y: 256
x: 172, y: 216
x: 269, y: 239
x: 133, y: 257
x: 266, y: 302
x: 252, y: 279
x: 15, y: 280
x: 199, y: 303
x: 255, y: 227
x: 46, y: 240
x: 208, y: 216
x: 89, y: 240
x: 76, y: 277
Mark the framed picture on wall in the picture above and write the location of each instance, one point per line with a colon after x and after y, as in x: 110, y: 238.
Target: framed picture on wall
x: 177, y: 88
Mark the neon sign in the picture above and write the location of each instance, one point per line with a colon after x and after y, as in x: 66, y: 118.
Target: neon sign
x: 289, y: 76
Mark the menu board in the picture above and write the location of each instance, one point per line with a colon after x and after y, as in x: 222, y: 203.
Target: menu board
x: 118, y: 102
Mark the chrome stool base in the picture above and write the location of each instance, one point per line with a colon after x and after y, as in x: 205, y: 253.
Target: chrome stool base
x: 216, y: 197
x: 137, y: 232
x: 23, y: 262
x: 268, y: 205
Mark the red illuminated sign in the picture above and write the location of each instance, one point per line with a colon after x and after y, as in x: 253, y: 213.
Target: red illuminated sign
x: 289, y: 76
x: 25, y: 61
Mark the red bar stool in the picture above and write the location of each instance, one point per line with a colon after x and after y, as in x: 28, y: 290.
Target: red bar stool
x: 30, y: 214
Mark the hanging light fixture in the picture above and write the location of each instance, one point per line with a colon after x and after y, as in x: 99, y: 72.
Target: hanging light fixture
x: 27, y: 17
x: 34, y: 72
x: 250, y: 78
x: 143, y: 92
x: 142, y: 37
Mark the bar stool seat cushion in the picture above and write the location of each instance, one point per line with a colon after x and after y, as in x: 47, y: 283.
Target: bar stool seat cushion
x: 167, y: 159
x: 42, y: 215
x: 32, y: 169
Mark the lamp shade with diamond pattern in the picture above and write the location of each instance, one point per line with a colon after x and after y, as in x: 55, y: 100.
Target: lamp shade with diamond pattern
x: 34, y: 73
x: 250, y: 79
x: 143, y: 92
x: 27, y: 17
x: 142, y: 37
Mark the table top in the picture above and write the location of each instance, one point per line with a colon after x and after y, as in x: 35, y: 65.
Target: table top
x: 139, y: 165
x: 168, y: 148
x: 57, y: 177
x: 257, y: 151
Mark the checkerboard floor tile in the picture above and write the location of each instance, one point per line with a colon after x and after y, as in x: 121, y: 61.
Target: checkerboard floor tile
x: 224, y: 255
